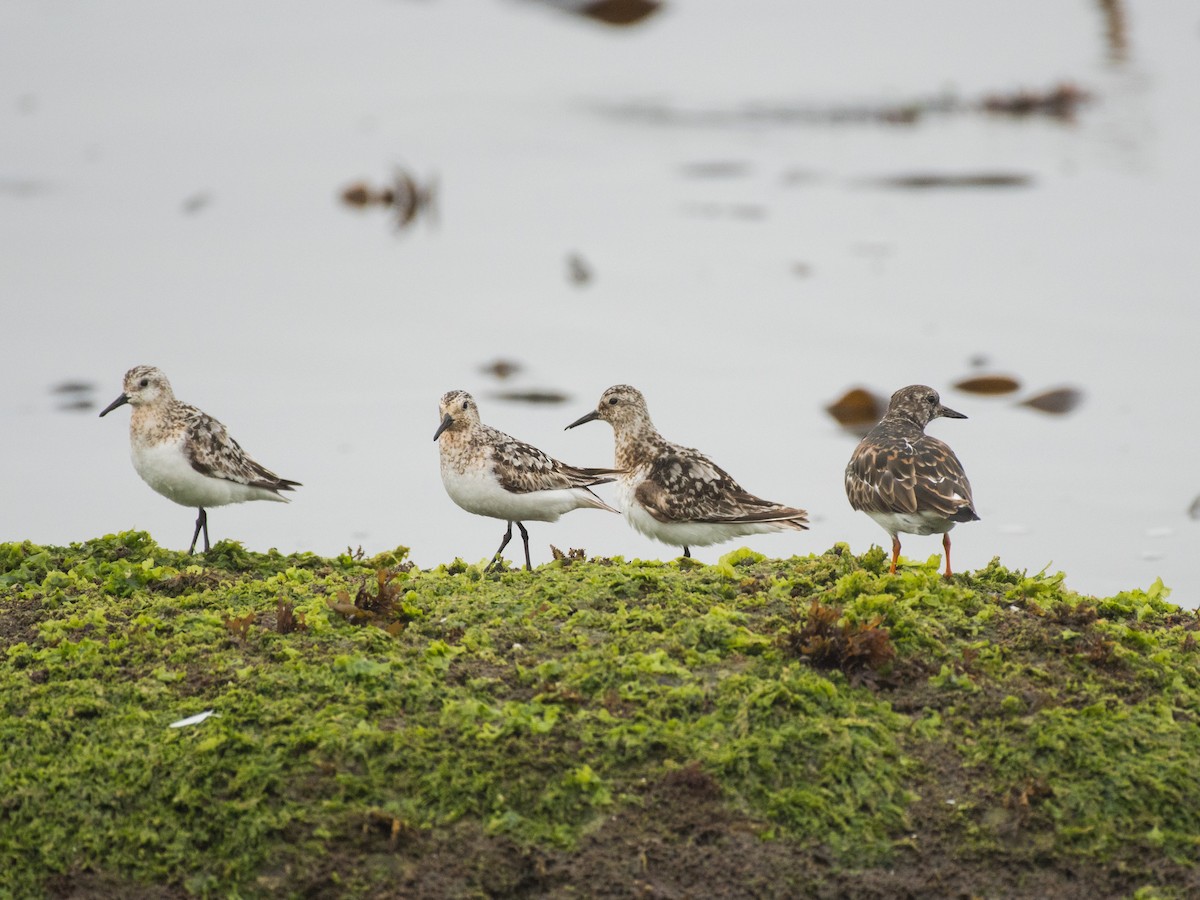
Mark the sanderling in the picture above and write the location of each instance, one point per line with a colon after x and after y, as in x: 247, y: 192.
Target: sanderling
x: 906, y: 480
x: 488, y: 473
x: 188, y: 456
x: 677, y: 495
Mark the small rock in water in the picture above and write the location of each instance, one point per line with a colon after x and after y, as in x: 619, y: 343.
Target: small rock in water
x: 578, y: 271
x: 613, y: 12
x: 501, y: 368
x: 988, y: 384
x: 1058, y: 401
x: 858, y: 410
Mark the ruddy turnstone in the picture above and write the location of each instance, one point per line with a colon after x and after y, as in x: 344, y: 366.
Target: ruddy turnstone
x: 488, y: 473
x: 186, y: 455
x: 677, y: 495
x: 906, y: 480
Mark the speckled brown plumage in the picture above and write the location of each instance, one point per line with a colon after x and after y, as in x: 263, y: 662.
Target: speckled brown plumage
x: 676, y: 494
x: 187, y: 455
x: 907, y: 480
x: 489, y: 473
x: 213, y: 452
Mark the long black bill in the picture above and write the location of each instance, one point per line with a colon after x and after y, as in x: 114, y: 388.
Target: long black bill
x: 587, y: 417
x: 447, y: 421
x: 949, y: 413
x: 120, y: 401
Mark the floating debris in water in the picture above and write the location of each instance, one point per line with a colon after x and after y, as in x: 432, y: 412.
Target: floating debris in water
x: 501, y: 368
x: 1057, y: 401
x: 1115, y: 31
x: 858, y: 410
x: 406, y: 197
x: 988, y: 384
x: 578, y: 271
x: 534, y: 396
x: 925, y: 181
x: 76, y: 395
x: 610, y: 12
x: 196, y: 202
x: 715, y: 169
x: 1059, y: 102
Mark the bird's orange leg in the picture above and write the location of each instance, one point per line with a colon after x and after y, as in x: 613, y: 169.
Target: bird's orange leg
x: 895, y: 554
x: 946, y: 544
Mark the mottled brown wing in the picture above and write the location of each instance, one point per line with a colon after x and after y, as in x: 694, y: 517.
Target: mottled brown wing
x: 523, y: 468
x: 689, y: 487
x: 212, y: 452
x: 907, y: 476
x: 941, y: 482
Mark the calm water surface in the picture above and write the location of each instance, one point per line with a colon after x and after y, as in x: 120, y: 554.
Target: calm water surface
x: 169, y: 182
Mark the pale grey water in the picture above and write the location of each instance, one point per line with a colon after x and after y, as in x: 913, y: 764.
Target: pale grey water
x: 323, y: 338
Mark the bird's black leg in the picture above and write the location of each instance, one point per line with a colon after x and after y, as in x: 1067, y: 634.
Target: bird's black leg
x: 201, y: 523
x: 525, y: 537
x: 687, y: 553
x: 503, y: 544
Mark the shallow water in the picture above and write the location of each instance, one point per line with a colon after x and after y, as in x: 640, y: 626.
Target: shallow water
x: 169, y: 194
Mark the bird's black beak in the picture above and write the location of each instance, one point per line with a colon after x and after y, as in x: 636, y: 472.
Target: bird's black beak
x: 586, y: 417
x: 949, y: 413
x: 447, y: 421
x: 120, y: 401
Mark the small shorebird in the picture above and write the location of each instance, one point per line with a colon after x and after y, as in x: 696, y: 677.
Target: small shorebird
x: 488, y: 473
x: 906, y: 480
x: 186, y: 455
x: 677, y: 495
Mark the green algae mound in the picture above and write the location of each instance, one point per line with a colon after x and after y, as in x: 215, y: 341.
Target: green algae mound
x: 595, y: 728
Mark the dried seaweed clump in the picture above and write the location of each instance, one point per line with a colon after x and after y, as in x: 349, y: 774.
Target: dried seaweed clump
x: 857, y: 649
x: 384, y: 608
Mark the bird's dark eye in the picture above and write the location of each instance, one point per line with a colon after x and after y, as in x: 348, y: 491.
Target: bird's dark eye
x: 612, y: 401
x: 931, y: 398
x: 145, y: 382
x: 466, y: 403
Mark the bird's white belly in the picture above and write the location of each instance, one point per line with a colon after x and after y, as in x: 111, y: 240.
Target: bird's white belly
x: 166, y: 469
x: 912, y: 523
x: 477, y: 491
